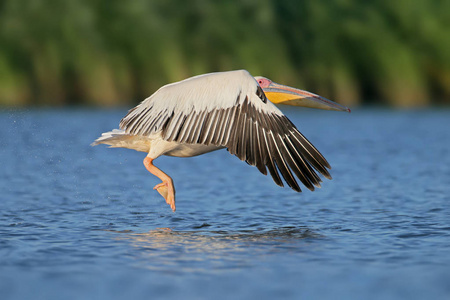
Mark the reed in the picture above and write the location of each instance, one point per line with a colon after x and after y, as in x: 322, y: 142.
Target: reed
x: 115, y: 52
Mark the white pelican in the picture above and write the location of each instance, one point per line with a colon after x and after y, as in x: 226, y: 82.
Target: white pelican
x: 224, y: 110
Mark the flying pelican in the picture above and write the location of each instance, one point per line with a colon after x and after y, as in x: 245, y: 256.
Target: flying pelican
x: 224, y: 110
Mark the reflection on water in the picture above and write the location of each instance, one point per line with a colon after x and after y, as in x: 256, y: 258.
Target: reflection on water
x: 190, y: 249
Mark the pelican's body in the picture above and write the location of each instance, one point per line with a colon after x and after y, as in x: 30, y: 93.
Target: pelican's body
x: 153, y: 144
x: 224, y: 110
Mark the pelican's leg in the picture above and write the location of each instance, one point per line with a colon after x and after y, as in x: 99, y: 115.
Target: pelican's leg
x: 166, y: 188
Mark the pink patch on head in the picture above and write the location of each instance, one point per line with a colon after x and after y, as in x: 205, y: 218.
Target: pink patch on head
x: 264, y: 82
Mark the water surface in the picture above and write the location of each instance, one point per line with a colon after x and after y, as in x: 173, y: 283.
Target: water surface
x: 80, y: 222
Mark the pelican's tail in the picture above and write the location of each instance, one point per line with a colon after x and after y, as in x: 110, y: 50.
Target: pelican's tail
x: 112, y: 138
x: 119, y: 139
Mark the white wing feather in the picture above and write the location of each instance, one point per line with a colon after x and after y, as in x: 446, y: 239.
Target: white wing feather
x: 229, y: 109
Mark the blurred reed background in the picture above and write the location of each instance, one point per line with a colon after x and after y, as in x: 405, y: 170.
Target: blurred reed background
x: 115, y: 52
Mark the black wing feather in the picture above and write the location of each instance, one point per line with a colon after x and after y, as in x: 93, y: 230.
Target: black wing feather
x: 269, y: 141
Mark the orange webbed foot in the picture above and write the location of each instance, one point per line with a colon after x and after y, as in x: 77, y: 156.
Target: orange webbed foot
x: 167, y: 190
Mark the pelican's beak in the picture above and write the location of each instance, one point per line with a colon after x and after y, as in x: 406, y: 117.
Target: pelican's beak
x: 282, y: 94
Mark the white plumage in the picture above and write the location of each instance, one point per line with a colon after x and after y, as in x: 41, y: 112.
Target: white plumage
x: 214, y: 111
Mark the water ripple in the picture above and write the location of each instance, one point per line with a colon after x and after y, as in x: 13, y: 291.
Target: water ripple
x: 80, y: 218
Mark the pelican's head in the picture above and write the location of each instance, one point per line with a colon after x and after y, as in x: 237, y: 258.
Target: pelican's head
x: 282, y: 94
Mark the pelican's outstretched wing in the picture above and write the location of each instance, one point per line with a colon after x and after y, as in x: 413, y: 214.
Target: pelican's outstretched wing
x: 230, y: 109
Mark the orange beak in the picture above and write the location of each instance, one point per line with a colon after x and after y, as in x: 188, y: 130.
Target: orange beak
x: 282, y: 94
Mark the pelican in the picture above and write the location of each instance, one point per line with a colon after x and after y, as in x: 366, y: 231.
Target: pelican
x: 224, y: 110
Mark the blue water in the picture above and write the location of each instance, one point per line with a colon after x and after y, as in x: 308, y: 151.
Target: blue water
x: 81, y: 222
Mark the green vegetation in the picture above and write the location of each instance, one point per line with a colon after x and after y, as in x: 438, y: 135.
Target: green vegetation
x: 110, y: 52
